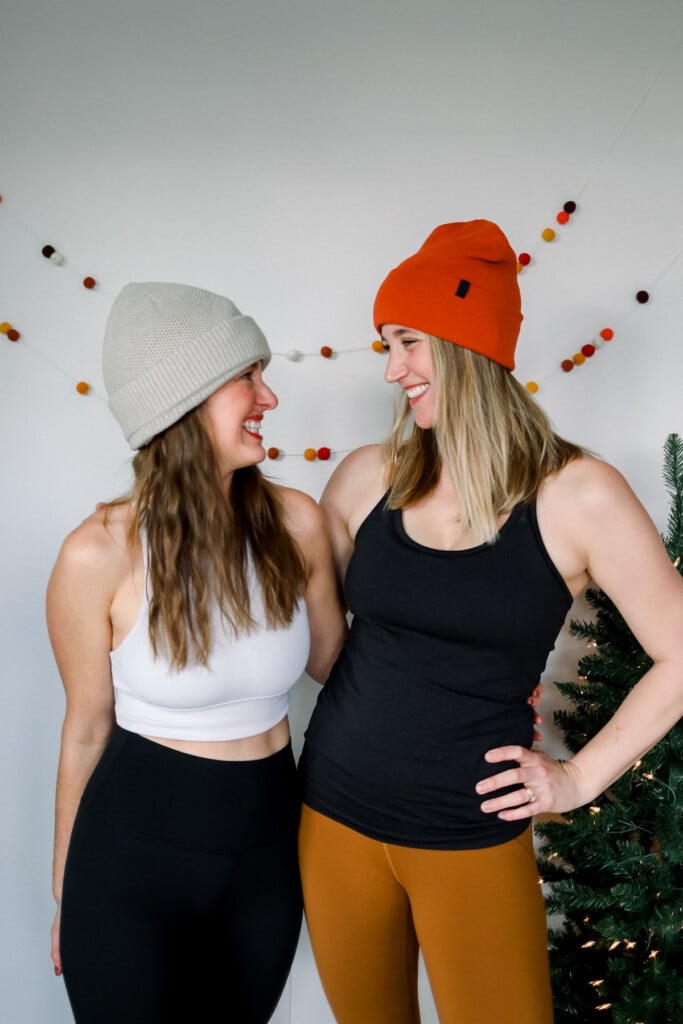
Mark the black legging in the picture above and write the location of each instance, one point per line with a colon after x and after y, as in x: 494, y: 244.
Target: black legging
x: 181, y: 898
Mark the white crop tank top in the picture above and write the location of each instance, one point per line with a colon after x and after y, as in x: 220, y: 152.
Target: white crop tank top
x: 243, y: 690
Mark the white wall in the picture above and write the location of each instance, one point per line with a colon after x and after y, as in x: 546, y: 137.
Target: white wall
x: 288, y: 154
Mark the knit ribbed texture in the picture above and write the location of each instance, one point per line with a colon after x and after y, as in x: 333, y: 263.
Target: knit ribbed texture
x: 461, y: 285
x: 167, y: 347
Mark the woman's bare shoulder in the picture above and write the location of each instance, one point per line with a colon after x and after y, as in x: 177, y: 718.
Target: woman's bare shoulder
x: 360, y: 475
x: 99, y: 544
x: 588, y: 482
x: 302, y: 512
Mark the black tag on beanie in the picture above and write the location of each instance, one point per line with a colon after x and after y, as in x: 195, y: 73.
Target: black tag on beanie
x: 463, y: 288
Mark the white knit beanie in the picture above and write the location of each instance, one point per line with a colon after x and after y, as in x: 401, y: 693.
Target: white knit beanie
x: 167, y: 347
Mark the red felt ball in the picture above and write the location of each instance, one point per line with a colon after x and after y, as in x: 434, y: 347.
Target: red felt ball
x: 47, y: 251
x: 524, y: 258
x: 642, y: 296
x: 588, y: 350
x: 326, y: 352
x: 89, y: 282
x: 562, y: 217
x: 273, y: 453
x: 569, y: 206
x: 567, y: 365
x: 13, y: 335
x: 607, y: 333
x: 324, y: 454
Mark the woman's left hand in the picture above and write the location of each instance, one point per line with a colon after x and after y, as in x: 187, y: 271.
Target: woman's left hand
x: 541, y: 784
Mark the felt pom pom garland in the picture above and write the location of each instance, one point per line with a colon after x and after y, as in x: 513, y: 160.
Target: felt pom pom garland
x: 326, y: 352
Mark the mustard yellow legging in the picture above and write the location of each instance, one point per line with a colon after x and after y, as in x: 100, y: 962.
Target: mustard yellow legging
x: 476, y: 915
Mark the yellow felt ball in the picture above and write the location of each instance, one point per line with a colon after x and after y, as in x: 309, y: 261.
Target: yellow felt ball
x: 4, y: 327
x: 547, y: 234
x: 310, y: 455
x: 532, y: 386
x: 82, y: 387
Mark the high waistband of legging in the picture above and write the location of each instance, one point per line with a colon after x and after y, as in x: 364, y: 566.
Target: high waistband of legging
x: 198, y: 802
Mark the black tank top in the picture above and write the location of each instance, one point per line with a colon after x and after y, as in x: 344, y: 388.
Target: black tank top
x: 444, y: 651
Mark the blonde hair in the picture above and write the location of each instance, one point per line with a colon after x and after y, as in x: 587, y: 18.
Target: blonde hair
x: 489, y: 434
x: 199, y: 540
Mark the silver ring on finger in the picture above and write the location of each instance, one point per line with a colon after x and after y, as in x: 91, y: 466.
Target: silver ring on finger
x: 531, y: 795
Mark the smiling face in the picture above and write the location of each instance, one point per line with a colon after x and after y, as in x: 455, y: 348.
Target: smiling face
x: 233, y: 416
x: 410, y: 366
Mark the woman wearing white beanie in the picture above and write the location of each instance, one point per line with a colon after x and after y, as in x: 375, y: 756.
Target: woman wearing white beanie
x: 180, y: 617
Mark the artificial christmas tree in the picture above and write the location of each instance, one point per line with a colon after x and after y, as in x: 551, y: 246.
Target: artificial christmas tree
x: 615, y: 868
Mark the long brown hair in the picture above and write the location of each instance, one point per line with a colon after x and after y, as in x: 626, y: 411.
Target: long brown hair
x: 490, y: 435
x: 199, y: 542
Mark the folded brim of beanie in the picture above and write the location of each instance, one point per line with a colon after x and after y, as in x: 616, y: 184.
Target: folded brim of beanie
x: 427, y: 301
x: 163, y: 393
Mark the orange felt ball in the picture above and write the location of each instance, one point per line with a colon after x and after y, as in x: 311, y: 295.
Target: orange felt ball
x: 378, y: 346
x: 5, y: 327
x: 547, y: 234
x: 273, y: 453
x: 578, y: 358
x: 532, y: 386
x: 607, y: 333
x: 89, y: 282
x: 82, y: 387
x: 309, y: 455
x: 562, y: 217
x: 326, y: 352
x: 567, y: 365
x: 13, y: 335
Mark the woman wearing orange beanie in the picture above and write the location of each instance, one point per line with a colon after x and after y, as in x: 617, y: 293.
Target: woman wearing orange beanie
x: 462, y: 542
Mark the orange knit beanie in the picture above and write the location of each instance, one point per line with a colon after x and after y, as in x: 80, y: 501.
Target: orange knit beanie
x: 461, y: 286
